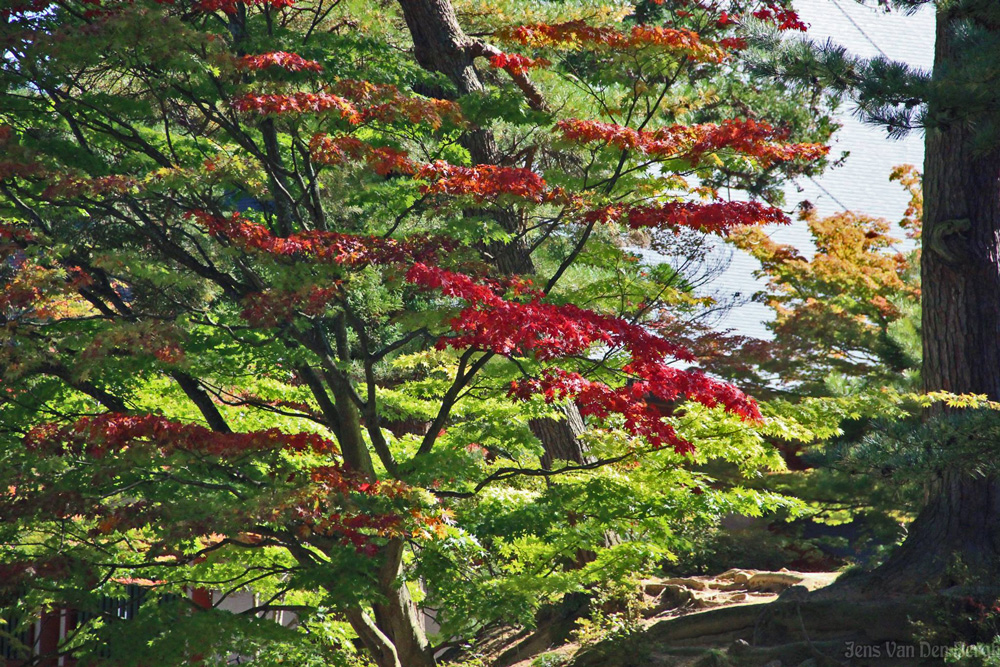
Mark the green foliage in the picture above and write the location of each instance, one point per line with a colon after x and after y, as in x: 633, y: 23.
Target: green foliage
x: 616, y: 613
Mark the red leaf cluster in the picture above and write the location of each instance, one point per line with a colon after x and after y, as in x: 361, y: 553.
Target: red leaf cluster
x: 11, y: 169
x: 359, y: 529
x: 10, y: 233
x: 481, y: 182
x: 112, y: 432
x: 278, y: 403
x: 515, y: 63
x: 289, y: 61
x: 230, y: 6
x: 21, y: 7
x: 349, y: 250
x: 383, y: 160
x: 783, y: 17
x: 162, y: 342
x: 643, y: 403
x: 549, y: 331
x: 545, y: 331
x: 298, y: 103
x: 692, y: 142
x: 274, y: 307
x: 599, y: 400
x: 719, y: 217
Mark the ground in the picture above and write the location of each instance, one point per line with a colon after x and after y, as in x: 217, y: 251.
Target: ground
x: 665, y: 601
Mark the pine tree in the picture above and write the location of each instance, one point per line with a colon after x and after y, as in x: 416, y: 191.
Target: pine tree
x: 955, y: 106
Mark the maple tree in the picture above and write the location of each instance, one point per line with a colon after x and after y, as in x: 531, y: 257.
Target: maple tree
x: 284, y: 286
x: 845, y: 326
x: 846, y: 318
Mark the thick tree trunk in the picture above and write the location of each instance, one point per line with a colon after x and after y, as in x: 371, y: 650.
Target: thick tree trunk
x: 398, y: 614
x: 960, y: 267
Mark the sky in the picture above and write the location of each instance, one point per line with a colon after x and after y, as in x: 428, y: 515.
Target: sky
x: 862, y: 183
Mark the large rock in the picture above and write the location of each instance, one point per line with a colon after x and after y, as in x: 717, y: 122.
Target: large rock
x: 696, y: 584
x: 773, y: 582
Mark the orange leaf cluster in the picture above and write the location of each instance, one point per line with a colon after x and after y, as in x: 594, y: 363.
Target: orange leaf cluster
x: 387, y: 104
x: 577, y: 33
x: 72, y: 186
x: 34, y: 291
x: 484, y: 181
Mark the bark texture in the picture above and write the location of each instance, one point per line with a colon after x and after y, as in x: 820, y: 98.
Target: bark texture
x: 560, y: 437
x: 960, y: 267
x: 440, y: 45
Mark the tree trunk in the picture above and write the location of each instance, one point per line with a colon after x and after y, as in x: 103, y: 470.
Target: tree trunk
x: 960, y: 267
x: 560, y: 437
x: 440, y: 45
x: 398, y: 614
x: 395, y: 637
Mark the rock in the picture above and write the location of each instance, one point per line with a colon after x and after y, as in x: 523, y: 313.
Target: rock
x: 707, y: 603
x: 773, y: 582
x: 738, y: 597
x: 736, y: 576
x: 653, y: 588
x: 739, y: 646
x: 733, y: 587
x: 673, y: 596
x: 695, y: 584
